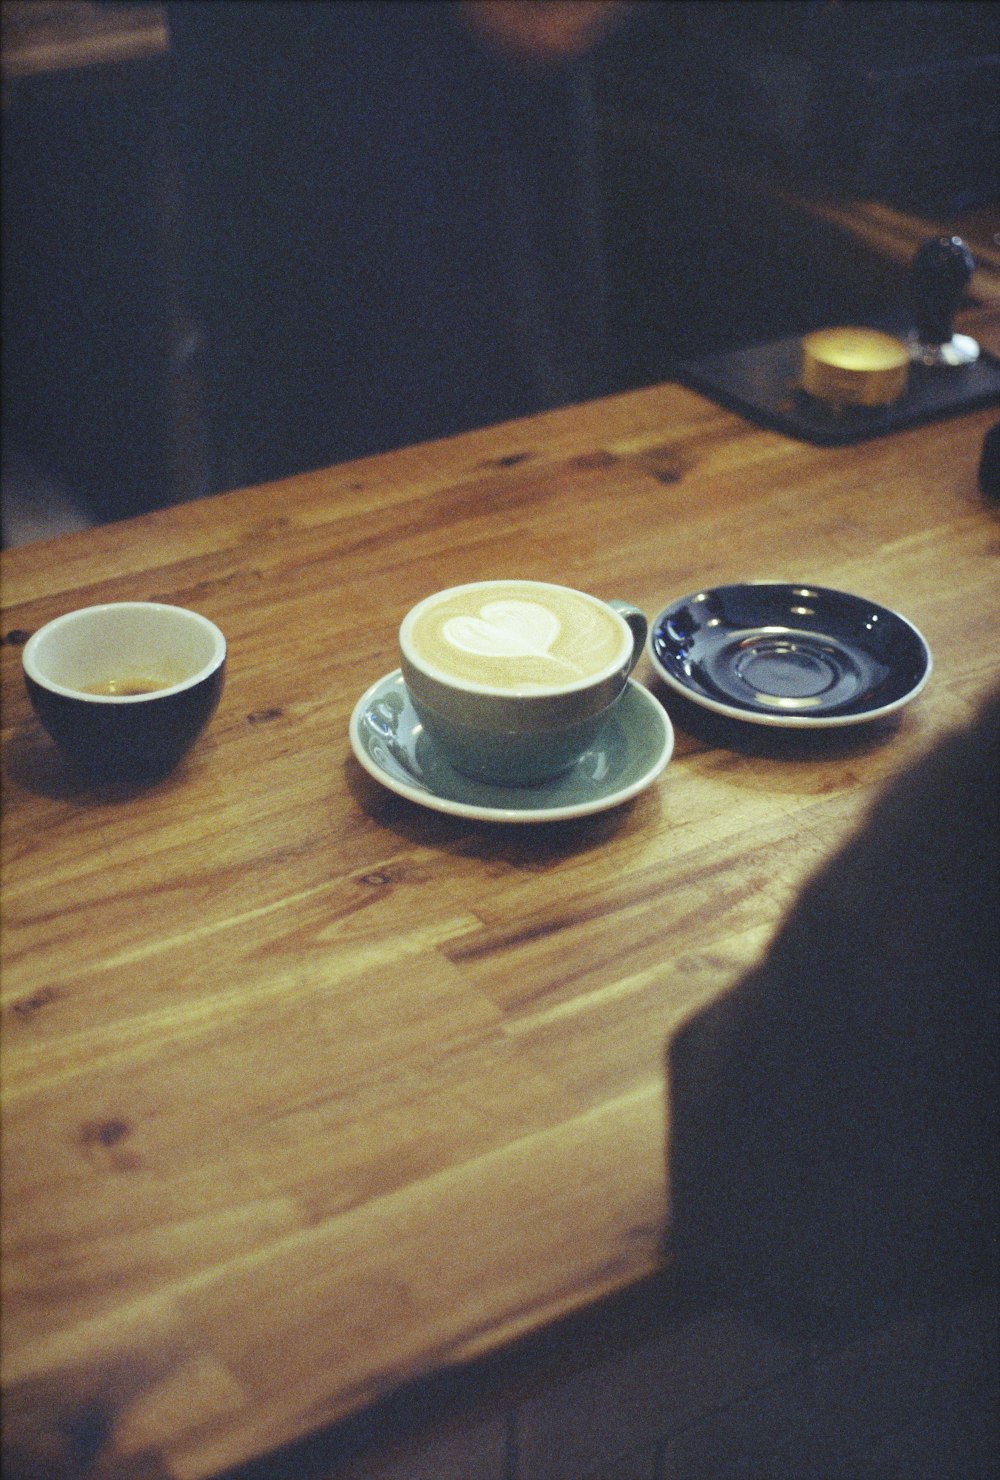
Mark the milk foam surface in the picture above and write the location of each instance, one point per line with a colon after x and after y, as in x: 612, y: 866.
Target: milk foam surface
x: 518, y: 636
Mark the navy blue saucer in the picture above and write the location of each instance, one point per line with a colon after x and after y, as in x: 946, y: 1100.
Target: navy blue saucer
x: 777, y: 653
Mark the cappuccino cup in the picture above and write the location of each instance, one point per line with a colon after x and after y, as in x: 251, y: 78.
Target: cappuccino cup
x: 124, y: 689
x: 511, y: 679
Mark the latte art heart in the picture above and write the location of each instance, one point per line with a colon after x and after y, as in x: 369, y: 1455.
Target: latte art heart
x: 508, y: 629
x: 518, y: 637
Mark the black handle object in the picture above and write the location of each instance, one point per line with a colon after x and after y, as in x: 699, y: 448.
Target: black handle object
x: 989, y: 463
x: 939, y: 274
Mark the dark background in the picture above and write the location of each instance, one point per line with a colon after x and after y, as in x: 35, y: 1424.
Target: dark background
x: 698, y: 103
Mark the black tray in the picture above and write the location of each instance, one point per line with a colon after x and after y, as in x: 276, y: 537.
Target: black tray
x: 760, y: 382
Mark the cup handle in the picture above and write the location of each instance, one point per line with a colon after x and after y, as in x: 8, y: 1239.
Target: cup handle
x: 637, y: 621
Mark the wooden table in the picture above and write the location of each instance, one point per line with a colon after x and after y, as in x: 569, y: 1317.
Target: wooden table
x: 309, y: 1091
x: 43, y: 37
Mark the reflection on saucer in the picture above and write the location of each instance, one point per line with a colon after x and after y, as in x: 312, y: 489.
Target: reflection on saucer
x: 627, y: 756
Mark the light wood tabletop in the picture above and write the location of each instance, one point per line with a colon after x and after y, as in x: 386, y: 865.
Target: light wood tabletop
x: 310, y: 1090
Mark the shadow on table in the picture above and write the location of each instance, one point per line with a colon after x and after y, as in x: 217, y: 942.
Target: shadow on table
x: 526, y: 845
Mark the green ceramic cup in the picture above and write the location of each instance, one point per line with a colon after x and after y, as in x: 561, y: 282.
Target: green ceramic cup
x: 513, y: 679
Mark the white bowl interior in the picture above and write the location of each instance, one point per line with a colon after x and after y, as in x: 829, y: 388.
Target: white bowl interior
x: 125, y: 643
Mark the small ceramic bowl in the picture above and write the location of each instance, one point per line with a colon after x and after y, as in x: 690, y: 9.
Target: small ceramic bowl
x: 124, y: 689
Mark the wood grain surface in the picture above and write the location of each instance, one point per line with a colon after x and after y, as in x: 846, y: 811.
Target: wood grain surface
x: 309, y: 1091
x: 41, y: 37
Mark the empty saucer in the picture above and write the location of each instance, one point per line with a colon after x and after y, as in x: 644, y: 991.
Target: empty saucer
x: 775, y: 653
x: 628, y: 754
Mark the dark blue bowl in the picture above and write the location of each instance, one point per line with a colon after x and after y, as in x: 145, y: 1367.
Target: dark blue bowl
x: 125, y: 689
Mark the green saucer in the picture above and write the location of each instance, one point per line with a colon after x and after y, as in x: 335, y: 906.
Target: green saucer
x: 629, y: 753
